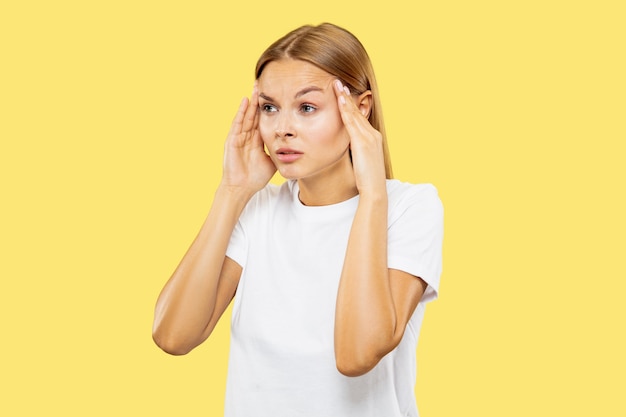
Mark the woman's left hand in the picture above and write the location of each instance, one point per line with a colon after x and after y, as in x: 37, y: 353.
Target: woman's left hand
x: 366, y: 144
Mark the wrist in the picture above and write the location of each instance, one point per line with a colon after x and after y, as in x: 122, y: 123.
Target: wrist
x: 373, y: 204
x: 234, y: 193
x: 376, y: 195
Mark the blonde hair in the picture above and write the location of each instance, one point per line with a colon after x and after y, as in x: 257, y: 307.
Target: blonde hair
x: 339, y: 53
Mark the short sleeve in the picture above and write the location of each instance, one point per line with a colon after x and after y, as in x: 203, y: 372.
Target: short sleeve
x: 254, y: 213
x: 237, y: 246
x: 415, y: 234
x: 237, y: 249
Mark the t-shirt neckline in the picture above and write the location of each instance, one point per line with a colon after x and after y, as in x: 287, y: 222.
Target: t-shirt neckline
x: 320, y: 212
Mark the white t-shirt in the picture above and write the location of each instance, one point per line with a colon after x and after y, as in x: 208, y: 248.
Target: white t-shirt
x: 282, y: 361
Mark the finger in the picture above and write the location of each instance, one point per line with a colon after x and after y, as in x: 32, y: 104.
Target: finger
x: 251, y: 111
x: 235, y: 127
x: 256, y: 119
x: 255, y: 134
x: 345, y: 101
x: 352, y: 117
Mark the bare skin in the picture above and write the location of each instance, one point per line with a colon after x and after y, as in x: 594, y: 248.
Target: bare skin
x: 374, y: 303
x: 308, y: 122
x: 205, y: 281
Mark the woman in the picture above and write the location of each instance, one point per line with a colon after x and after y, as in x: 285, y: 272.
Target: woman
x: 329, y: 271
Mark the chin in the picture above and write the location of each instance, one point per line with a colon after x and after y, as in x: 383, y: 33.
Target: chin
x: 289, y: 175
x: 290, y: 172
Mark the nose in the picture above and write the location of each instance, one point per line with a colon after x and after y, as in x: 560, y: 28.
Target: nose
x: 284, y: 127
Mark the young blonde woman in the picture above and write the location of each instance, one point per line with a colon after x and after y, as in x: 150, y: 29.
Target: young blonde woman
x: 330, y: 271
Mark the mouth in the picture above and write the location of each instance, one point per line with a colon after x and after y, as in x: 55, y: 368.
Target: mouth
x: 288, y: 155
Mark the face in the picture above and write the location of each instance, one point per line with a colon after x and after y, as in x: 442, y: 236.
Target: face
x: 300, y: 122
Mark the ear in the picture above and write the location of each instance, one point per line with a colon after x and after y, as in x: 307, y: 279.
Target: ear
x: 364, y: 103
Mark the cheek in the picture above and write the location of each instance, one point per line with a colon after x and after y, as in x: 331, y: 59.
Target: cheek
x: 266, y: 131
x: 333, y: 132
x: 327, y: 125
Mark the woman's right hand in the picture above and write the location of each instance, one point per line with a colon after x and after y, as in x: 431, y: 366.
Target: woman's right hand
x: 246, y: 165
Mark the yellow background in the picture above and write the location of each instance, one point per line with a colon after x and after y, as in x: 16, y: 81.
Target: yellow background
x: 112, y: 119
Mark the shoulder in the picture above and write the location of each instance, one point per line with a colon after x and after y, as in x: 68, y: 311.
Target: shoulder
x: 415, y: 232
x: 270, y: 193
x: 268, y: 198
x: 404, y: 196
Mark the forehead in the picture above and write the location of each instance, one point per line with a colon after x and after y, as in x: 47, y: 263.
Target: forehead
x: 286, y: 74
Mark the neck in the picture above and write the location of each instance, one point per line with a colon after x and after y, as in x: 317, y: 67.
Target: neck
x: 333, y: 186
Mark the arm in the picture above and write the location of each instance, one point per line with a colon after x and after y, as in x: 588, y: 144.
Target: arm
x: 374, y: 303
x: 205, y: 281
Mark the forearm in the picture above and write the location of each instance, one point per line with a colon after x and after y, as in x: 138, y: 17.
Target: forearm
x: 187, y: 302
x: 365, y: 321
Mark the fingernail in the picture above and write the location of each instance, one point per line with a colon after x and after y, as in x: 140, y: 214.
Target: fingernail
x: 338, y: 85
x: 342, y: 100
x: 346, y: 90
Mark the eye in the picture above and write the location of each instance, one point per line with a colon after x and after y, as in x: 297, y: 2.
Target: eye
x: 268, y: 108
x: 307, y: 108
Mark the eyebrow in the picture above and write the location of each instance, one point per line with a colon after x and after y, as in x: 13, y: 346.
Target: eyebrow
x: 307, y: 90
x: 299, y: 94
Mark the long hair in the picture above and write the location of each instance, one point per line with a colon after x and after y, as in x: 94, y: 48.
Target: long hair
x: 339, y: 53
